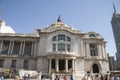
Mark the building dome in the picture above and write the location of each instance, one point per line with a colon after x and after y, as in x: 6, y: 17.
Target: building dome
x: 4, y: 28
x: 59, y: 23
x: 56, y: 24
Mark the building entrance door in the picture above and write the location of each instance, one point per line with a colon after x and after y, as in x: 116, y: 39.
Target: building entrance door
x: 61, y: 65
x: 95, y: 68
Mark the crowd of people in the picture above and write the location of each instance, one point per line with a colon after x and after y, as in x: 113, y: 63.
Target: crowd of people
x: 65, y: 77
x: 97, y: 76
x: 100, y: 76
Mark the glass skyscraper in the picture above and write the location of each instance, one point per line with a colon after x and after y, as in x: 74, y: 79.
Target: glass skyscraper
x: 116, y: 31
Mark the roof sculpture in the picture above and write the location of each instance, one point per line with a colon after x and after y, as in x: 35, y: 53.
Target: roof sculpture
x: 4, y: 28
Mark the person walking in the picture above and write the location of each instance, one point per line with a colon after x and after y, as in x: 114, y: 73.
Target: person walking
x: 101, y: 76
x: 1, y: 77
x: 84, y: 78
x: 71, y: 77
x: 97, y: 77
x: 65, y: 77
x: 57, y: 78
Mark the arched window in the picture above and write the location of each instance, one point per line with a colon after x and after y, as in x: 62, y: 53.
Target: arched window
x: 95, y: 68
x: 92, y: 35
x: 68, y: 38
x: 61, y: 37
x: 61, y: 42
x: 54, y: 38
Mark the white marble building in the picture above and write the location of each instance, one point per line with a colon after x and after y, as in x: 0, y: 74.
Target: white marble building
x: 55, y: 49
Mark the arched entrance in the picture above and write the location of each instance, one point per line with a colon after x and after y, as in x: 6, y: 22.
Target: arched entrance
x: 95, y: 68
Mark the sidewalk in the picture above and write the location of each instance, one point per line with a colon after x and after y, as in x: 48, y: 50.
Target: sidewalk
x: 29, y: 79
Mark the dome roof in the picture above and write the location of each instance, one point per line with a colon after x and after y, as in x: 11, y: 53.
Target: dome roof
x: 4, y: 28
x: 59, y: 23
x: 56, y: 24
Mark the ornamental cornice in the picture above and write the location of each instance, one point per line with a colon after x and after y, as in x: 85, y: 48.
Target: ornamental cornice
x: 53, y: 29
x: 56, y: 27
x: 17, y: 56
x: 99, y: 41
x: 61, y: 55
x: 17, y: 35
x: 95, y: 59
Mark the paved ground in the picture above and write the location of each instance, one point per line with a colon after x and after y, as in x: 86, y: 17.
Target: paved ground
x: 14, y: 79
x: 29, y: 79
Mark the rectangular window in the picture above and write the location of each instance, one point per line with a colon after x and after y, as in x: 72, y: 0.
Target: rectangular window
x: 16, y: 48
x: 68, y: 47
x: 28, y: 48
x: 2, y: 62
x: 61, y: 65
x: 69, y: 64
x: 93, y: 50
x: 5, y: 47
x: 25, y: 64
x: 54, y: 47
x: 13, y: 65
x: 61, y: 47
x: 53, y: 64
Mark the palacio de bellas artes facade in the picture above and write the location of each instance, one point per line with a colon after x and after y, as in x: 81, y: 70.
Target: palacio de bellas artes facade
x: 58, y: 49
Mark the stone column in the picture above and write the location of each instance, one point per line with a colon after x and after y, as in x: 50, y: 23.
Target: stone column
x: 87, y: 50
x: 73, y: 65
x: 103, y: 48
x: 20, y: 52
x: 105, y: 51
x: 23, y: 48
x: 35, y: 44
x: 9, y: 48
x: 1, y: 46
x: 66, y: 65
x: 57, y: 65
x: 32, y: 48
x: 99, y: 50
x: 12, y: 46
x: 49, y: 66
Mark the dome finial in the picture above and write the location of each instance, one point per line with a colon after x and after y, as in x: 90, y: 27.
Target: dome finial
x: 59, y: 19
x: 114, y: 7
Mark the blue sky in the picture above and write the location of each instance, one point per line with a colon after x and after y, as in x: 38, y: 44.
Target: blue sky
x: 85, y: 15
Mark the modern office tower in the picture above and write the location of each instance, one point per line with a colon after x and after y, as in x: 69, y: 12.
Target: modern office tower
x: 116, y: 31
